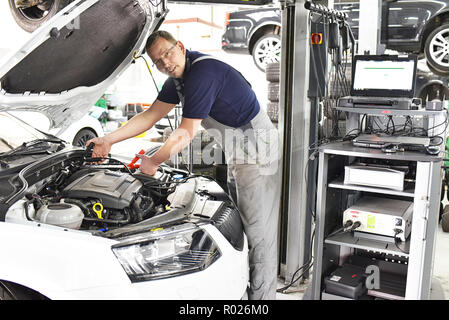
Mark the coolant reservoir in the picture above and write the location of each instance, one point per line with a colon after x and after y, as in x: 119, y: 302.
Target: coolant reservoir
x: 65, y: 215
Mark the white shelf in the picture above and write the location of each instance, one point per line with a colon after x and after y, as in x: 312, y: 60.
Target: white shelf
x: 349, y: 240
x: 339, y: 184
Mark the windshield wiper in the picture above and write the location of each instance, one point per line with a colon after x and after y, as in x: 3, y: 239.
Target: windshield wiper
x: 6, y: 143
x: 38, y: 146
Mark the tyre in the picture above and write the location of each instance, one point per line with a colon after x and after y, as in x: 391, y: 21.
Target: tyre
x: 267, y: 50
x: 30, y: 17
x: 432, y: 92
x: 273, y: 111
x: 273, y: 71
x: 436, y: 50
x: 83, y: 136
x: 273, y: 91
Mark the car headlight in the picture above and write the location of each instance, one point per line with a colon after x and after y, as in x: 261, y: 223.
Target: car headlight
x: 167, y: 253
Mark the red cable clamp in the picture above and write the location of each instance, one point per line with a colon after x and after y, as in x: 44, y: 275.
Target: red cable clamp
x: 132, y: 164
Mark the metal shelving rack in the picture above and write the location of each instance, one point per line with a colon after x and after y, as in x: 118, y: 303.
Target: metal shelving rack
x: 333, y: 251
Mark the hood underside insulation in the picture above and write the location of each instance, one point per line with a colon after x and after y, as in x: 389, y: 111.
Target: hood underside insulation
x: 84, y: 53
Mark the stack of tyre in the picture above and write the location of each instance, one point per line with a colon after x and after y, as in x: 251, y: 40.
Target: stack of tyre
x: 272, y: 73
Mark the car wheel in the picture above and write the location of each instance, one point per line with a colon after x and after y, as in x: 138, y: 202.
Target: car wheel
x: 30, y: 14
x: 273, y: 91
x: 273, y: 111
x: 437, y: 50
x: 83, y: 136
x: 267, y: 50
x: 434, y: 91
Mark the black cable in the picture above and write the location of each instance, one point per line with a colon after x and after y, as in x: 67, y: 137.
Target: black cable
x: 309, y: 264
x: 436, y: 144
x: 390, y: 119
x: 108, y: 164
x: 306, y: 170
x: 397, y: 240
x: 314, y: 62
x: 350, y: 136
x: 160, y: 183
x: 154, y: 81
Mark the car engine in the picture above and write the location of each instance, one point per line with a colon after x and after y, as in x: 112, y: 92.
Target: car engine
x: 100, y: 197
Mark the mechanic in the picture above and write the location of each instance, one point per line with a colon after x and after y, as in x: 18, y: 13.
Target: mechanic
x: 217, y: 97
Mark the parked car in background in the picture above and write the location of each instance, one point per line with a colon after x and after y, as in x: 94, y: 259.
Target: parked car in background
x: 430, y: 86
x: 420, y: 27
x: 254, y: 31
x: 77, y: 133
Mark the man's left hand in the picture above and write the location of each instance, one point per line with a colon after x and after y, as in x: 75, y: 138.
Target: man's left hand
x: 147, y: 165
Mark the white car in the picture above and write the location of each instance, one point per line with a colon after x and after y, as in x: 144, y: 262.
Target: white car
x: 71, y: 228
x: 77, y: 133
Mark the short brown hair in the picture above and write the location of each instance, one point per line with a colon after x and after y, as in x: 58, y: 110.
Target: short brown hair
x: 156, y: 35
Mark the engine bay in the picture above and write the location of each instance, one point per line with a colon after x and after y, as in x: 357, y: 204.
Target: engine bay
x: 72, y: 190
x: 89, y: 196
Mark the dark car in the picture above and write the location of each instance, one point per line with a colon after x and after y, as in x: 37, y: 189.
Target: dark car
x: 420, y: 27
x: 255, y: 31
x: 429, y: 86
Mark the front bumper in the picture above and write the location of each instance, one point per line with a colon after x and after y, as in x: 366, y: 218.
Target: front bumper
x: 227, y: 278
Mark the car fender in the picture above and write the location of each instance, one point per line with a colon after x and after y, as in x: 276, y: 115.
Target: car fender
x: 53, y: 260
x: 434, y: 21
x: 260, y: 26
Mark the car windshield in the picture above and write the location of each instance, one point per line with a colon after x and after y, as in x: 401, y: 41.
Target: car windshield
x: 14, y: 133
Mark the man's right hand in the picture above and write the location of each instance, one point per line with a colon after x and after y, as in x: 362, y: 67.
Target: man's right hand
x: 102, y: 147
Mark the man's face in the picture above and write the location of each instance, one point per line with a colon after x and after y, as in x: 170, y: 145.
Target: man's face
x: 169, y: 58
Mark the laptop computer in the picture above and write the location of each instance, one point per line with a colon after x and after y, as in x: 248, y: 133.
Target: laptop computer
x: 382, y: 141
x: 382, y: 81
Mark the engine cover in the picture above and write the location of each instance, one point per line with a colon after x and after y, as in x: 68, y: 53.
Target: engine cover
x: 114, y: 189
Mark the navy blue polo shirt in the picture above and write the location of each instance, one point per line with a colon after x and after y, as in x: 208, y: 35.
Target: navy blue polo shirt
x: 213, y: 88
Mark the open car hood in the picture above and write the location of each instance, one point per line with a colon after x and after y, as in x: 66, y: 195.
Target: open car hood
x: 71, y: 60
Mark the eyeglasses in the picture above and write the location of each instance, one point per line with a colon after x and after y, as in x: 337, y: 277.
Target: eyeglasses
x: 166, y: 55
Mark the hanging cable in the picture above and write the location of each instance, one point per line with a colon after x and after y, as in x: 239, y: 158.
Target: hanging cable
x: 135, y: 56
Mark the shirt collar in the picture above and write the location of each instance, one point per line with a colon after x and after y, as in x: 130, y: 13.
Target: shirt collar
x: 188, y: 63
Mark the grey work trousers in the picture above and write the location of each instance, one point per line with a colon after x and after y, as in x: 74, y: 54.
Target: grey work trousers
x: 251, y: 154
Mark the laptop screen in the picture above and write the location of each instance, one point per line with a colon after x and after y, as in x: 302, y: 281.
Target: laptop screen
x: 384, y: 76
